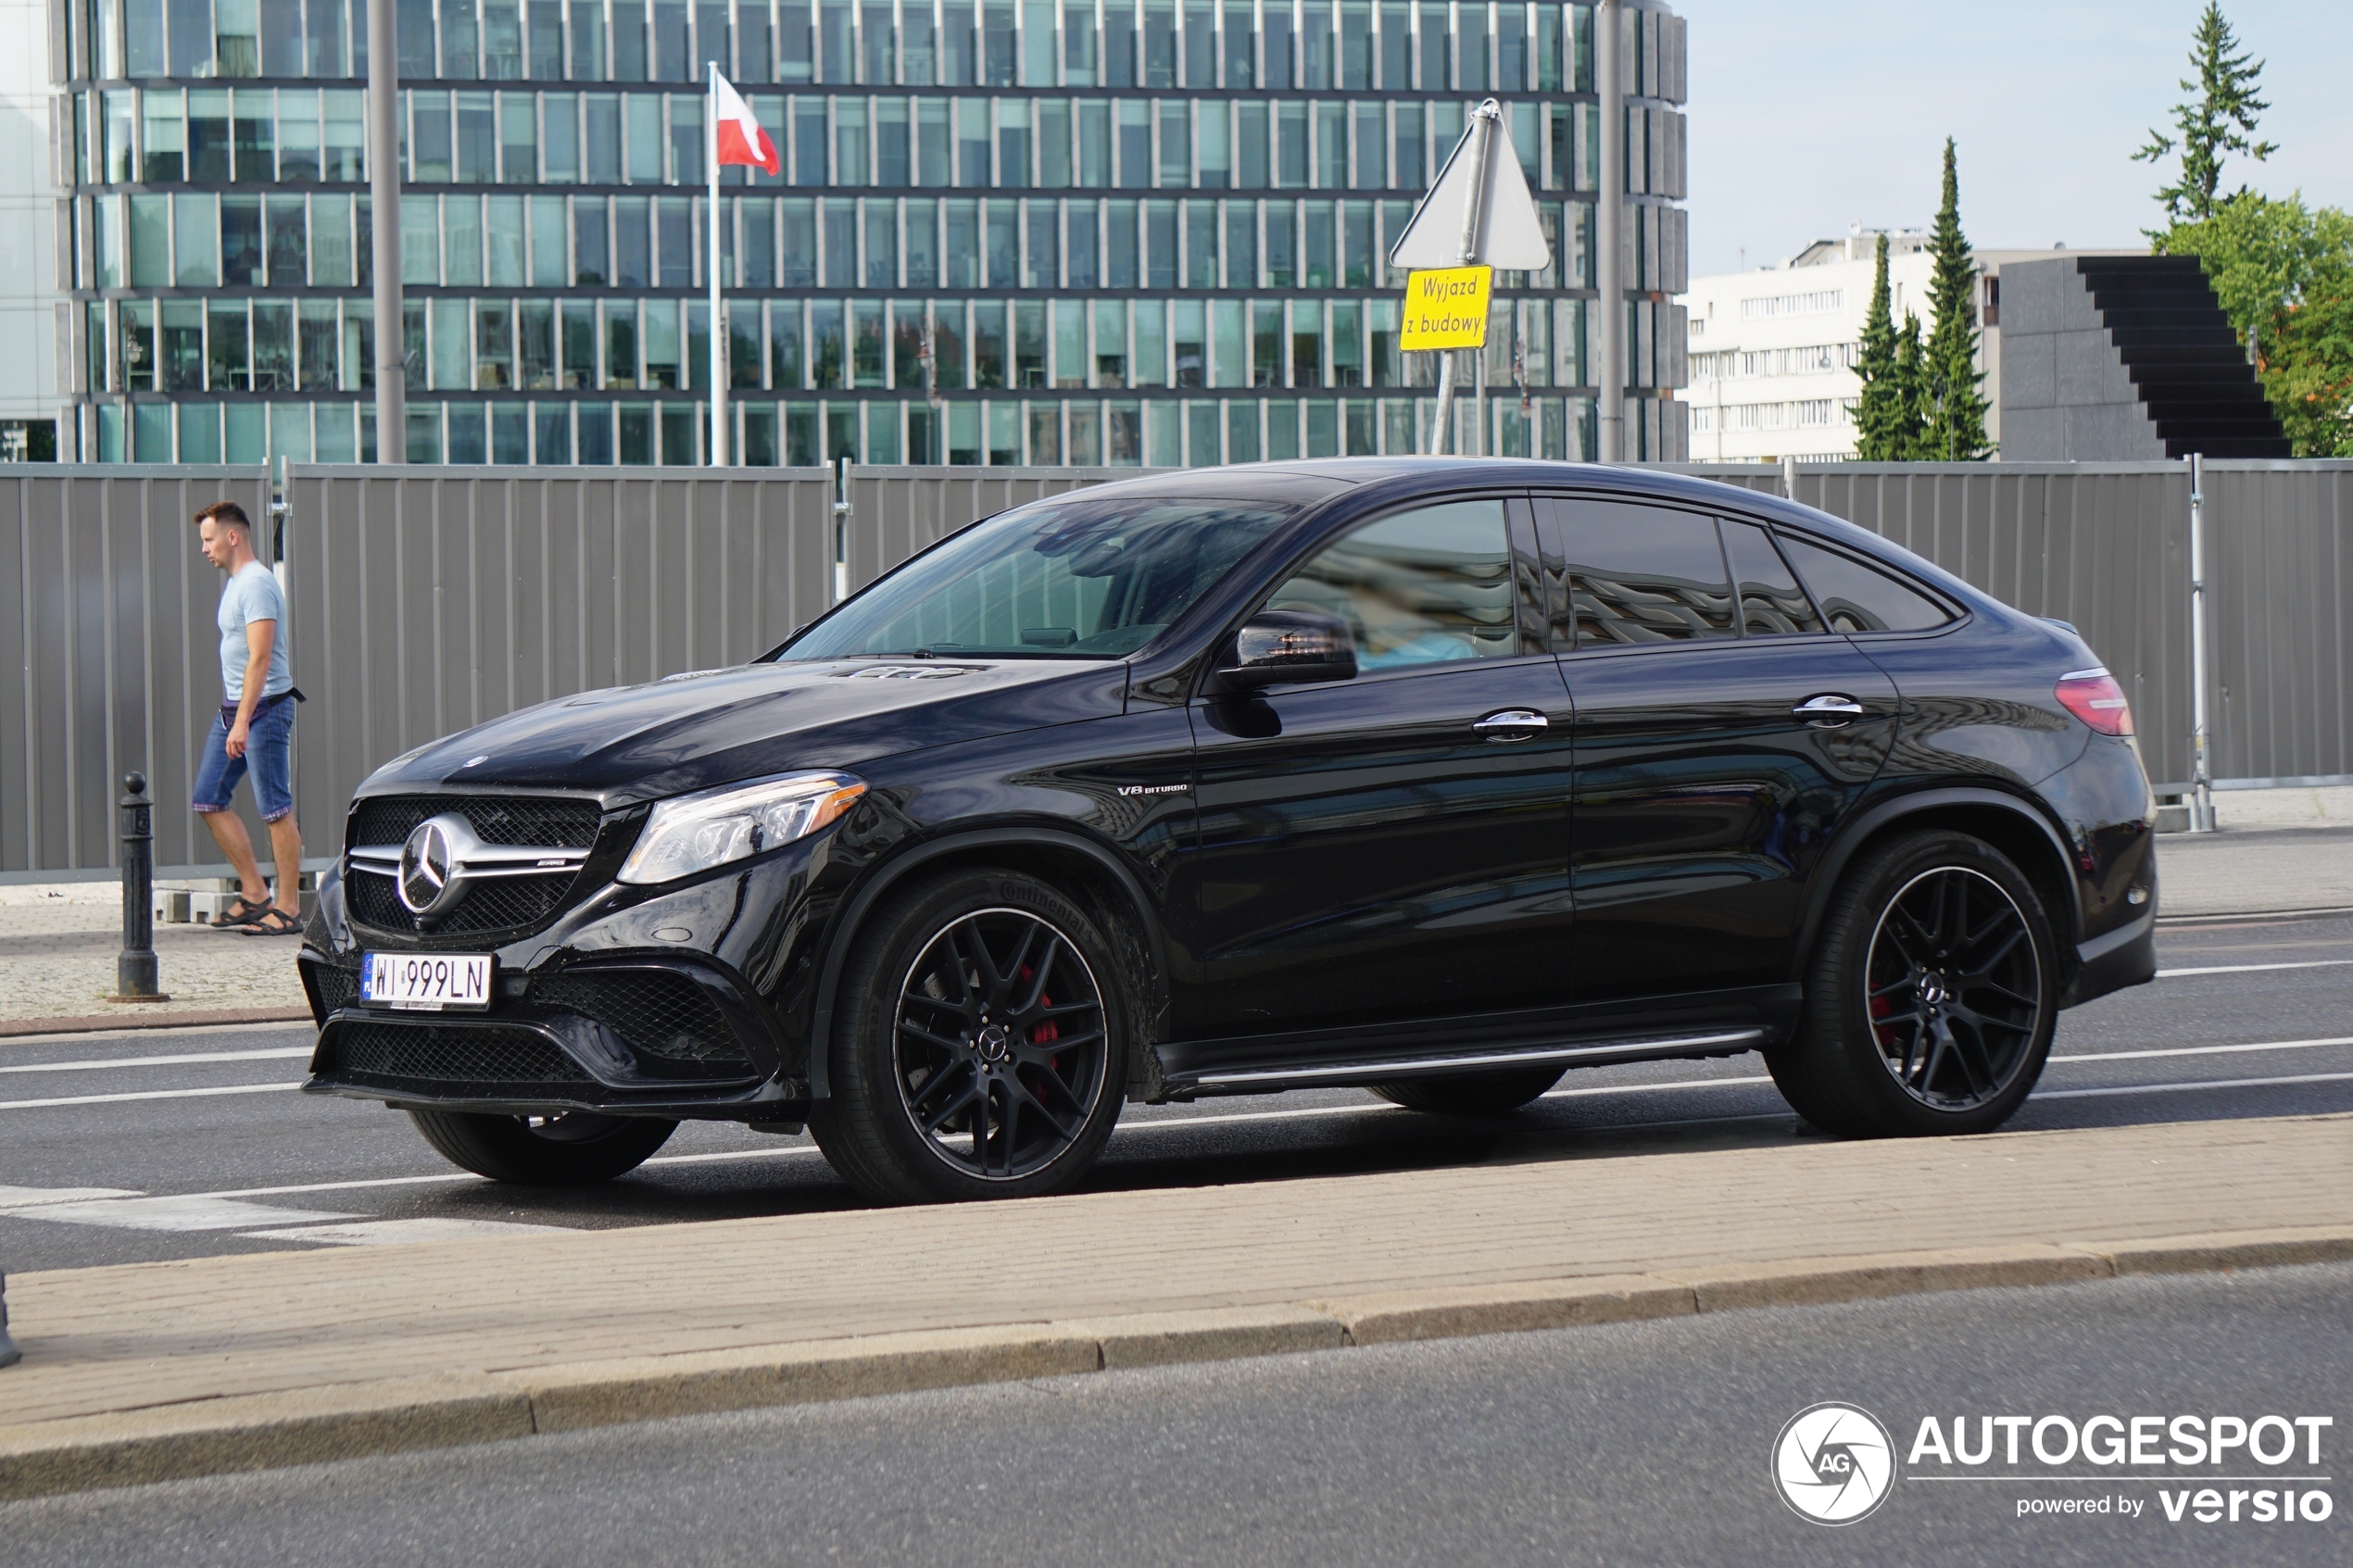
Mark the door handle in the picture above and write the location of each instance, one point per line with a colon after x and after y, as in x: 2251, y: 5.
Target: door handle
x: 1512, y: 723
x: 1828, y: 711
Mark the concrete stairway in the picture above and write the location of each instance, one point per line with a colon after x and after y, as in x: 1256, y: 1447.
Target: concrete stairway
x: 2183, y: 357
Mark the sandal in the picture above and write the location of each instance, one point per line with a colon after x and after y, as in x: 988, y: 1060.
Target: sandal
x: 246, y: 913
x: 273, y: 921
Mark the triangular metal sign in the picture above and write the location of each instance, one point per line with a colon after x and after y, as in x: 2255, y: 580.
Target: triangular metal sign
x: 1507, y: 232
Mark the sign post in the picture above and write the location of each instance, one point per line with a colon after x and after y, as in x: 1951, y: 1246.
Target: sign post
x: 1452, y: 265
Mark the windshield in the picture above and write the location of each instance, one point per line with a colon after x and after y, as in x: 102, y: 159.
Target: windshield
x: 1064, y: 579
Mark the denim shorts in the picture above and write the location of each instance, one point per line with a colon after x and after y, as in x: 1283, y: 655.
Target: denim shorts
x: 269, y: 754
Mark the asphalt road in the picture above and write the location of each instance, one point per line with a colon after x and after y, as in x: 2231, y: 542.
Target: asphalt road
x: 1645, y: 1443
x: 168, y: 1144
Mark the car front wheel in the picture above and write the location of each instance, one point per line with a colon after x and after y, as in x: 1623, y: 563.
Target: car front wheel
x: 981, y: 1044
x: 1932, y: 997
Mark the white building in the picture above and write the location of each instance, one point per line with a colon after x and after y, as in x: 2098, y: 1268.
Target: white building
x: 1773, y: 350
x: 28, y: 292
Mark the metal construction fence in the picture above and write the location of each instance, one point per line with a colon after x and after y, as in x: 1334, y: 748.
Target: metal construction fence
x: 426, y: 599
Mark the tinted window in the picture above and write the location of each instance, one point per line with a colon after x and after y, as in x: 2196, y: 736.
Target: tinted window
x: 1772, y: 605
x: 1856, y: 597
x: 1642, y: 574
x: 1421, y: 587
x: 1065, y: 578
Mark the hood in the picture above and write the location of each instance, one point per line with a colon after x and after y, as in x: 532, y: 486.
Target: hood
x: 629, y: 743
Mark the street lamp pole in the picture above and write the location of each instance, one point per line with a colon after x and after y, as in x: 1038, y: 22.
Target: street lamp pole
x: 383, y: 204
x: 1609, y: 200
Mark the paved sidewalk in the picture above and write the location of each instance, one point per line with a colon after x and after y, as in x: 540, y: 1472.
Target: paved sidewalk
x: 603, y: 1325
x: 2254, y: 869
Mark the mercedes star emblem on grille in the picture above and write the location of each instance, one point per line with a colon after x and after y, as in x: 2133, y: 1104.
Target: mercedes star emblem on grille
x: 428, y: 879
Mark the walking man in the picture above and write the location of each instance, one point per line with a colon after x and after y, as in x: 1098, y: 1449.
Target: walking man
x: 254, y: 732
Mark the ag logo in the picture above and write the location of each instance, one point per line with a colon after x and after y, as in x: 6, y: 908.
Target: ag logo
x: 1833, y: 1463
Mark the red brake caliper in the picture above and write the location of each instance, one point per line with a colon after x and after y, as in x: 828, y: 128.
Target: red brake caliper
x: 1047, y: 1032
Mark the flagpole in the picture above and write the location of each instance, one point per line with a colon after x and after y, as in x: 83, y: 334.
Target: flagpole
x: 711, y: 268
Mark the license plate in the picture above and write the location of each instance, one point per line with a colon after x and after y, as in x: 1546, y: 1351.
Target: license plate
x: 425, y: 982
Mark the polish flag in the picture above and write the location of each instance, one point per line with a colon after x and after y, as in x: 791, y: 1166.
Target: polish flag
x: 740, y: 138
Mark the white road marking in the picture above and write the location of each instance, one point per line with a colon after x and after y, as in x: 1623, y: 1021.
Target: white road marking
x: 391, y: 1232
x: 2251, y: 968
x: 191, y: 1211
x: 2205, y: 1050
x: 27, y: 1198
x: 2210, y: 1084
x: 143, y: 1093
x: 96, y: 1066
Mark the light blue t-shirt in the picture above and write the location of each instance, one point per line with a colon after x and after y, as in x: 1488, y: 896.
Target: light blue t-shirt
x: 252, y: 594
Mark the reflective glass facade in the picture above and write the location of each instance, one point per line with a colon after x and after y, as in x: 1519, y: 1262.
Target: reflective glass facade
x: 1118, y: 231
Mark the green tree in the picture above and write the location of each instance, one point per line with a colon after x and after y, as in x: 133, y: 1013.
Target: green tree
x: 1883, y: 414
x: 2284, y: 273
x: 1954, y: 407
x: 2219, y: 119
x: 1910, y: 443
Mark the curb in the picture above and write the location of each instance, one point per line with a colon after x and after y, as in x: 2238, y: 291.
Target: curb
x: 349, y: 1420
x: 2252, y: 917
x: 89, y: 1023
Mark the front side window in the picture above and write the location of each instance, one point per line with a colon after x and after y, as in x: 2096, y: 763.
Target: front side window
x: 1065, y: 578
x: 1427, y: 587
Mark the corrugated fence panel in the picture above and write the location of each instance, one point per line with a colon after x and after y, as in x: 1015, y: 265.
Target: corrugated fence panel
x: 2280, y: 572
x: 428, y: 600
x: 110, y: 627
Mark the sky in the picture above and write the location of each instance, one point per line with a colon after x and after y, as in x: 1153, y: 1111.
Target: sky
x: 1805, y: 119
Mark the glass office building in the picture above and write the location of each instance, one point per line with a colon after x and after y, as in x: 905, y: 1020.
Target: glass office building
x: 1082, y: 232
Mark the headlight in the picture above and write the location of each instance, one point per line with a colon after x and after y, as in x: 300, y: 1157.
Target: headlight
x: 694, y: 832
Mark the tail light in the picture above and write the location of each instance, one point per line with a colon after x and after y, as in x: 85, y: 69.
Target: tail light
x: 2093, y: 696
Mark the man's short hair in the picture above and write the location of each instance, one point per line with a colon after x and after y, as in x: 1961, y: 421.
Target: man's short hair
x: 226, y: 512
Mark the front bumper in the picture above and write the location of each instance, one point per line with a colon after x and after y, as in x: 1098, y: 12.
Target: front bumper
x: 664, y: 1002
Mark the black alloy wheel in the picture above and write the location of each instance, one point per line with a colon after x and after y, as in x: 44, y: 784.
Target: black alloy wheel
x: 575, y: 1149
x: 984, y: 1049
x: 1933, y: 995
x: 1000, y: 1044
x: 1954, y: 988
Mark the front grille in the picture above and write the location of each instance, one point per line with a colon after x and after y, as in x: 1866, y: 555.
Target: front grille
x: 491, y: 903
x: 553, y: 824
x: 489, y: 1063
x: 659, y: 1013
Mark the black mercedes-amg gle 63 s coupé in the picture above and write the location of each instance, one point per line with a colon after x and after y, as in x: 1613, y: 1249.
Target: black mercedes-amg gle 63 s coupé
x: 1436, y: 777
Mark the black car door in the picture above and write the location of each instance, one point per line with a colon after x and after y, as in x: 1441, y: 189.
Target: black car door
x: 1721, y: 739
x: 1392, y: 847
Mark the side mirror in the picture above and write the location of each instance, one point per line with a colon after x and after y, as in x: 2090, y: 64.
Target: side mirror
x: 1280, y: 646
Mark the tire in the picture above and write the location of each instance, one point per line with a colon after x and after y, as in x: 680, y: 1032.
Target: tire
x: 578, y: 1148
x: 1931, y: 996
x: 955, y: 1072
x: 1471, y: 1094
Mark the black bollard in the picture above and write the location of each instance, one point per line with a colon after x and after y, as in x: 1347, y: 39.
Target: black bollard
x: 9, y: 1354
x: 135, y: 969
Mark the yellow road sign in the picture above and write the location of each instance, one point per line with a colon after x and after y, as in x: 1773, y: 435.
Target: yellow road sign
x: 1446, y: 308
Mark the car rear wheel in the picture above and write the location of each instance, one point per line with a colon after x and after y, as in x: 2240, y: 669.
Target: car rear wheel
x: 577, y: 1148
x: 1470, y: 1094
x: 1932, y: 997
x: 981, y: 1046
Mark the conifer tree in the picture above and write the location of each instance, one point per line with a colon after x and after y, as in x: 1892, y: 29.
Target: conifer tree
x: 1884, y: 410
x: 1955, y: 431
x: 1909, y: 436
x: 2219, y: 119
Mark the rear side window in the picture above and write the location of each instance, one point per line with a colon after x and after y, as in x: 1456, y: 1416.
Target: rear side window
x: 1772, y: 605
x: 1427, y: 587
x: 1856, y: 597
x: 1641, y: 574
